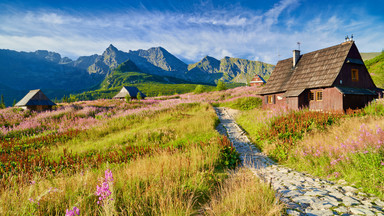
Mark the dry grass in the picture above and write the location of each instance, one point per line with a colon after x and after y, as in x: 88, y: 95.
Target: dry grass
x: 244, y: 194
x: 348, y: 129
x: 168, y: 183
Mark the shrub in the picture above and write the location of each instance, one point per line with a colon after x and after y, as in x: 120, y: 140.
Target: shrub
x: 245, y: 103
x: 220, y: 86
x: 139, y: 97
x: 199, y: 89
x: 127, y: 98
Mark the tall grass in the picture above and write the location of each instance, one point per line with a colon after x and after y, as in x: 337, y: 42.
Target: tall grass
x: 352, y: 149
x: 244, y: 194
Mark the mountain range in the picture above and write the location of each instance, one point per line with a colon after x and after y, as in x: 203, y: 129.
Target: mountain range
x: 22, y: 71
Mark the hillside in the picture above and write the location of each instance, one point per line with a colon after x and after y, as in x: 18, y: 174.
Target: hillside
x: 229, y: 69
x: 58, y: 76
x: 375, y: 67
x: 370, y: 55
x: 128, y: 73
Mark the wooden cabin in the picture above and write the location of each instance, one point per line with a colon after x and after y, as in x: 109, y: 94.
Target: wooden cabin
x: 130, y: 91
x: 257, y: 81
x: 332, y: 79
x: 35, y: 100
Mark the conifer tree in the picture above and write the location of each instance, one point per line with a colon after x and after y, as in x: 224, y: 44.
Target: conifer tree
x: 139, y: 97
x: 220, y: 86
x: 2, y: 103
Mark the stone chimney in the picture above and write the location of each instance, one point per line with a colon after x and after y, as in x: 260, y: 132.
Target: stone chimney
x: 296, y: 56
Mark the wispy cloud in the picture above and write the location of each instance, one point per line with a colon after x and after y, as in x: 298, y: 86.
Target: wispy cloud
x: 237, y: 32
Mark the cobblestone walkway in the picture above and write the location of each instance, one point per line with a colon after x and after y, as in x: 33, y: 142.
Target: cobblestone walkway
x: 303, y: 194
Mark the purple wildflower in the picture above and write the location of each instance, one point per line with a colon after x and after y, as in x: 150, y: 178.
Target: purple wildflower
x: 103, y: 191
x: 75, y: 211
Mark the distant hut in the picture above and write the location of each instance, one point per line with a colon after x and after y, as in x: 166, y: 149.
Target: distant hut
x: 130, y: 91
x: 257, y: 81
x: 35, y: 100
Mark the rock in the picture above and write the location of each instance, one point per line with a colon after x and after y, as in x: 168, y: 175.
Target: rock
x: 319, y: 212
x: 379, y: 203
x: 349, y: 201
x: 293, y: 212
x: 361, y: 211
x: 337, y: 194
x: 342, y: 209
x: 322, y: 205
x: 316, y: 192
x: 349, y: 189
x: 304, y: 199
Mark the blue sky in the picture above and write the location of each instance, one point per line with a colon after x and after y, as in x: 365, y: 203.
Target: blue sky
x: 257, y: 30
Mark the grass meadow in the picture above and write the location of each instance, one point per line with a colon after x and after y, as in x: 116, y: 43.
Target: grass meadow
x: 334, y: 146
x: 160, y: 156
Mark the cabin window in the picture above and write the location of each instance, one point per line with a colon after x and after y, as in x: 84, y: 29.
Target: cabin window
x: 319, y: 95
x: 311, y: 96
x: 355, y: 75
x: 270, y: 99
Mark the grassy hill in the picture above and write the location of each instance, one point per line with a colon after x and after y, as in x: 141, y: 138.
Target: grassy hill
x: 370, y: 55
x: 128, y: 74
x: 375, y: 67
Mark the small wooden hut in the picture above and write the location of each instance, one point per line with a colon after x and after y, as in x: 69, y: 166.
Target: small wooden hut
x: 35, y: 100
x: 257, y: 81
x: 130, y: 91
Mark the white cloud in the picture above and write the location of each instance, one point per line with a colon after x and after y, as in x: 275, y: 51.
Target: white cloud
x: 237, y: 32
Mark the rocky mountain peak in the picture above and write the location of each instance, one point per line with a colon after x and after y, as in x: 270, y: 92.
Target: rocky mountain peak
x: 49, y: 56
x: 110, y: 50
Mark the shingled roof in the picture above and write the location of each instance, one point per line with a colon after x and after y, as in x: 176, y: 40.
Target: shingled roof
x: 313, y: 70
x: 129, y: 90
x: 35, y: 98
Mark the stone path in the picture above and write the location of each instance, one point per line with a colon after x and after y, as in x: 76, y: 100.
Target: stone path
x: 303, y: 194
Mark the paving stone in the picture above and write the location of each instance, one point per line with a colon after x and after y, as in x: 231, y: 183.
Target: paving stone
x: 319, y: 212
x: 337, y: 194
x: 293, y: 212
x: 322, y: 205
x: 304, y: 199
x: 331, y: 200
x: 361, y: 211
x: 379, y: 203
x: 349, y: 201
x: 349, y: 189
x: 316, y: 192
x: 342, y: 209
x: 291, y: 193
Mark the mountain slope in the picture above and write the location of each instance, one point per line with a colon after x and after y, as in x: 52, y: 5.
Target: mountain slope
x: 370, y: 55
x: 229, y: 69
x: 40, y: 69
x: 23, y: 71
x: 375, y: 67
x: 128, y: 74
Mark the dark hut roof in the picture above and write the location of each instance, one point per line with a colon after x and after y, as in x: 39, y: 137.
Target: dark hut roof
x: 356, y: 91
x: 129, y: 90
x: 34, y: 98
x: 313, y: 70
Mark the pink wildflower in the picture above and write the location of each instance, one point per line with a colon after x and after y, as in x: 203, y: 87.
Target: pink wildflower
x: 75, y: 211
x: 103, y: 191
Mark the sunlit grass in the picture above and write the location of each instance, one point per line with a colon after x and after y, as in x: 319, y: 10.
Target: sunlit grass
x: 349, y: 148
x: 244, y: 194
